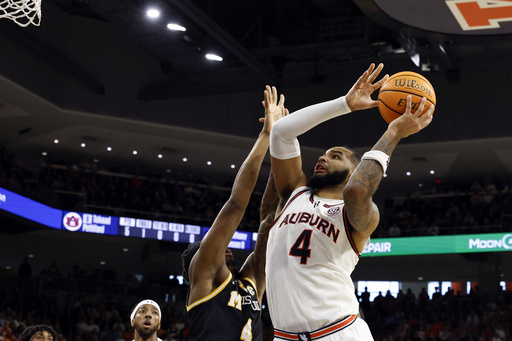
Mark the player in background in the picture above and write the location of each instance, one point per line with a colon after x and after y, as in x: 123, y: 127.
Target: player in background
x: 225, y: 303
x: 326, y: 223
x: 145, y: 319
x: 39, y: 332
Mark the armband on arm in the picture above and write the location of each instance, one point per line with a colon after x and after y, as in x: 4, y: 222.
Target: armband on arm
x: 379, y: 156
x: 283, y: 136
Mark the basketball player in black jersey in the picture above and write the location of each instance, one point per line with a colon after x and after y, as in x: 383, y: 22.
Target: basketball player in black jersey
x: 224, y: 303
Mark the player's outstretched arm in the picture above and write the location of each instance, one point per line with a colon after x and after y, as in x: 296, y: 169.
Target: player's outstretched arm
x: 208, y: 268
x: 361, y: 210
x: 284, y: 146
x: 254, y: 267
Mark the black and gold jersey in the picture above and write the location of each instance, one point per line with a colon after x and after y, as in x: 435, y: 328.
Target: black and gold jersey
x: 231, y: 312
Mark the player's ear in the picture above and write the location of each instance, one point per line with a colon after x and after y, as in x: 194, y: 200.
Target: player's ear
x: 133, y: 321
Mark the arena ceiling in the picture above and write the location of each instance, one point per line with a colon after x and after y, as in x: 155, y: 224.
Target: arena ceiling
x: 104, y: 74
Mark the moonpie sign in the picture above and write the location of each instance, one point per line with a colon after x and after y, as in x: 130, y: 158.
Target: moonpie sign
x: 450, y: 17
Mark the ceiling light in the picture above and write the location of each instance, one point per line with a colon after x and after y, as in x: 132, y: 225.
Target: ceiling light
x: 385, y: 175
x: 416, y: 59
x: 209, y: 163
x: 30, y: 255
x: 233, y: 166
x: 125, y: 249
x: 153, y: 13
x: 103, y: 262
x: 408, y: 173
x: 134, y: 152
x: 185, y: 159
x: 432, y: 171
x: 55, y: 141
x: 160, y: 156
x: 168, y: 170
x: 109, y: 149
x: 176, y: 27
x: 82, y: 145
x: 211, y: 56
x: 44, y: 153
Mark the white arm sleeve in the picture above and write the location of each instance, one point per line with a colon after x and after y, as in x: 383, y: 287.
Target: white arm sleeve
x: 283, y: 136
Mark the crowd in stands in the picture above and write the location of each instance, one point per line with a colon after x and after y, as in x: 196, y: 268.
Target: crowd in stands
x: 103, y: 315
x: 478, y: 207
x: 141, y: 193
x: 441, y: 210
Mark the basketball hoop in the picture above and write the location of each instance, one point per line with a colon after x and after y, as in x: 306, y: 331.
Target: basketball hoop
x: 22, y: 12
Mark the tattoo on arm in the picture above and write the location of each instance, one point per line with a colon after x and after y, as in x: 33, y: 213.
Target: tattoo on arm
x: 270, y: 199
x: 268, y: 208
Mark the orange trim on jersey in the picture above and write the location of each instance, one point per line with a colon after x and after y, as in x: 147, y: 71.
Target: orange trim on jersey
x: 338, y: 326
x: 327, y: 206
x: 212, y: 294
x: 287, y: 204
x: 319, y: 333
x: 347, y: 230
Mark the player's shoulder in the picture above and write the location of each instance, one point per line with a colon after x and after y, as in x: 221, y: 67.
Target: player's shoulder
x: 300, y: 190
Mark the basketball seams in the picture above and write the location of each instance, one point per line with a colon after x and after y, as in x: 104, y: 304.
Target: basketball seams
x: 393, y: 110
x: 393, y: 93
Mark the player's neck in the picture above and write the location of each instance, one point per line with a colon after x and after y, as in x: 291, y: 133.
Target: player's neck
x: 137, y: 337
x: 330, y: 192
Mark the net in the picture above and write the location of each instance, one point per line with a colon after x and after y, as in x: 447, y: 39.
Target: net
x: 23, y: 12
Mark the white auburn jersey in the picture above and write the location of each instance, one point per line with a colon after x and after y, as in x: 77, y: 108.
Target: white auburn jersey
x: 310, y: 256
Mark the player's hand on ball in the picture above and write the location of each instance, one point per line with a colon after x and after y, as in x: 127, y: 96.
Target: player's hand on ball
x: 411, y: 123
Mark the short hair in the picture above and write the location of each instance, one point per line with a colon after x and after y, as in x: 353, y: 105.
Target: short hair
x: 186, y: 258
x: 29, y: 332
x: 355, y: 157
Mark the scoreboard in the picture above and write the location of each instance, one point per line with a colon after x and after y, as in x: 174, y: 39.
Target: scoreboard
x: 112, y: 225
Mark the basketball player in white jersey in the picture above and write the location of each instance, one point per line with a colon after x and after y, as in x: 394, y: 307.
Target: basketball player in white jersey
x: 326, y: 223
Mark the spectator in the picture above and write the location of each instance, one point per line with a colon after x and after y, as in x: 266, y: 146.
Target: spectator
x: 394, y: 230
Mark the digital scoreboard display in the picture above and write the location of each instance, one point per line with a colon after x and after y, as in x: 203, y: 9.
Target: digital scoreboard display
x: 160, y: 230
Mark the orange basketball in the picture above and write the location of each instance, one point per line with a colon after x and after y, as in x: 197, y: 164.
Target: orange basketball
x: 393, y: 94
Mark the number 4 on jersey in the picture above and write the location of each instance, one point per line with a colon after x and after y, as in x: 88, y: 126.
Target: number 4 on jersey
x: 301, y: 247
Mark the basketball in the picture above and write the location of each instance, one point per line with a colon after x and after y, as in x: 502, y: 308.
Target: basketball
x: 393, y: 94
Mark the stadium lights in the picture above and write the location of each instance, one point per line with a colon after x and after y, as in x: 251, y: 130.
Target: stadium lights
x: 214, y: 57
x: 153, y: 13
x: 176, y: 27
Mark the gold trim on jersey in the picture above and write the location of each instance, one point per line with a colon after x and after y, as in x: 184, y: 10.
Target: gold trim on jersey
x: 252, y: 283
x: 212, y: 294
